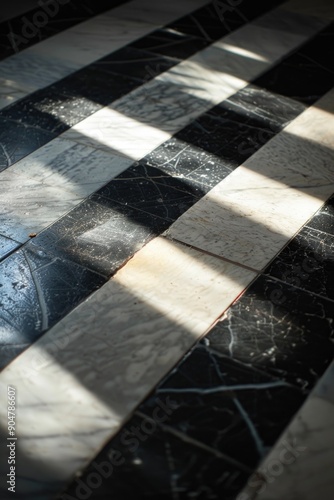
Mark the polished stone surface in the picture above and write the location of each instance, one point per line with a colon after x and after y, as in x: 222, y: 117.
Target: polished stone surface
x: 307, y: 74
x: 280, y: 330
x: 7, y: 246
x: 150, y: 321
x: 307, y: 263
x: 15, y: 19
x: 303, y: 472
x: 28, y: 206
x: 31, y: 138
x: 101, y: 234
x: 220, y: 418
x: 323, y: 220
x: 70, y: 166
x: 73, y: 47
x: 263, y: 200
x: 37, y: 289
x: 153, y: 116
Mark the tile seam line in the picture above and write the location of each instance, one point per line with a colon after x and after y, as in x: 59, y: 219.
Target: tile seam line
x: 10, y: 21
x: 59, y: 135
x: 119, y: 155
x: 258, y: 273
x: 82, y: 201
x: 158, y: 27
x: 80, y: 142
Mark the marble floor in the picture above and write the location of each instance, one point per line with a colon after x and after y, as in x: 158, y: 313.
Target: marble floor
x: 166, y: 250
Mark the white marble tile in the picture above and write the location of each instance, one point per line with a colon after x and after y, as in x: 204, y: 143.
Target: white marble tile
x: 117, y: 133
x: 159, y: 13
x: 252, y: 213
x: 88, y: 41
x: 325, y: 387
x: 323, y: 8
x: 59, y: 439
x: 71, y: 166
x: 31, y: 71
x: 140, y: 121
x: 109, y: 353
x: 26, y: 206
x: 58, y: 56
x: 9, y: 93
x: 300, y: 465
x: 296, y: 23
x: 248, y: 51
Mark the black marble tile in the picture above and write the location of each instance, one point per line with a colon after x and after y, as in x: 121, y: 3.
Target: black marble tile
x: 100, y: 234
x: 151, y: 190
x: 195, y: 166
x: 219, y: 18
x: 262, y: 107
x: 7, y: 246
x: 319, y: 50
x: 135, y: 63
x: 171, y: 44
x: 280, y: 330
x: 38, y: 24
x: 208, y: 22
x: 12, y: 149
x: 323, y: 220
x: 199, y: 435
x: 38, y: 288
x: 232, y: 135
x: 307, y: 262
x: 94, y: 87
x: 163, y: 467
x: 251, y: 10
x: 302, y: 76
x: 227, y: 405
x: 208, y: 149
x: 49, y: 110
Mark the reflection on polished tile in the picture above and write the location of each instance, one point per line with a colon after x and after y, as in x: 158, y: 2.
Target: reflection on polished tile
x: 71, y: 166
x: 298, y: 465
x: 155, y: 162
x: 153, y: 312
x: 307, y: 262
x: 28, y: 206
x: 101, y: 234
x: 262, y: 203
x: 37, y: 289
x: 7, y: 246
x: 280, y: 330
x: 31, y: 138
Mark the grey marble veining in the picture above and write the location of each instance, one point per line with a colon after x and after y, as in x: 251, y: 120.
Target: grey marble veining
x: 143, y: 119
x: 299, y: 466
x: 152, y: 312
x: 298, y: 23
x: 52, y: 59
x: 71, y: 166
x: 262, y: 203
x: 27, y: 206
